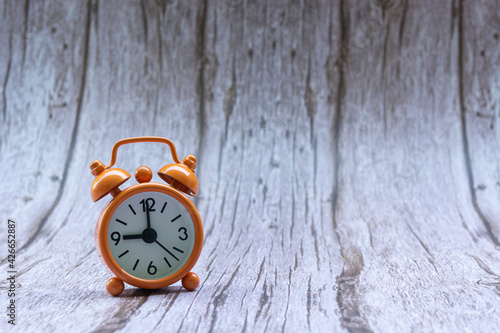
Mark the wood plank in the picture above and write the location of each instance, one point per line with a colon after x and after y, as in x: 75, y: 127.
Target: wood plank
x: 341, y: 159
x: 42, y: 64
x: 270, y: 253
x: 412, y: 242
x: 480, y: 88
x: 133, y: 62
x: 283, y: 251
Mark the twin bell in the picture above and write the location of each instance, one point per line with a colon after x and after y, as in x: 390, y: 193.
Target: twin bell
x: 178, y: 175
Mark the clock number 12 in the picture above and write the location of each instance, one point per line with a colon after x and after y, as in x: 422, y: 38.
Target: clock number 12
x: 148, y: 203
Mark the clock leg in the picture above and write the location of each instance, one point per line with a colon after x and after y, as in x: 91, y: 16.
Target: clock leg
x: 190, y: 281
x: 115, y: 286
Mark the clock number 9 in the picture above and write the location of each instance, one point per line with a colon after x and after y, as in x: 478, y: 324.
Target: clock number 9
x: 116, y: 237
x: 184, y: 230
x: 152, y: 269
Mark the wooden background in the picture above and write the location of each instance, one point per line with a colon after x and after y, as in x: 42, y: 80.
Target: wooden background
x: 348, y: 151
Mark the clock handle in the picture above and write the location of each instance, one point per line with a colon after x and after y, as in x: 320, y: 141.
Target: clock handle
x: 142, y: 139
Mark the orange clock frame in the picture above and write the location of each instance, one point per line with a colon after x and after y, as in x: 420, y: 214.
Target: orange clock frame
x: 102, y: 244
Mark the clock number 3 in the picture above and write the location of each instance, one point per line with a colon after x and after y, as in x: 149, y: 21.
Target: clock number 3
x: 184, y: 231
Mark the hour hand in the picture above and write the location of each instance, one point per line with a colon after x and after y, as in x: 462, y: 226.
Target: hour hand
x: 132, y: 236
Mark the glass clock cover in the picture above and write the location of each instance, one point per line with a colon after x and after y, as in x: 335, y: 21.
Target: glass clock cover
x: 151, y: 235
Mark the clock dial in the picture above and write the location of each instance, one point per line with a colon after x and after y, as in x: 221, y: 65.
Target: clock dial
x: 151, y: 235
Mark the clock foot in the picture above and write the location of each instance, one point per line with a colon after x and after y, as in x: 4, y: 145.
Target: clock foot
x: 115, y: 286
x: 190, y: 281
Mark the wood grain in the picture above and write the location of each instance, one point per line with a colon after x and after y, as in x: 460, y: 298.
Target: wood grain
x: 410, y: 235
x: 479, y: 106
x: 348, y: 160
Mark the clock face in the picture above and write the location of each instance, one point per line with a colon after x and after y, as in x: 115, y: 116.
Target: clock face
x: 151, y: 235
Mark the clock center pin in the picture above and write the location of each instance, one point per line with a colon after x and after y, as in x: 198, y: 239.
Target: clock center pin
x: 149, y: 235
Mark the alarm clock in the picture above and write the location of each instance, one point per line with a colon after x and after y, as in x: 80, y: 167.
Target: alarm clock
x: 149, y: 235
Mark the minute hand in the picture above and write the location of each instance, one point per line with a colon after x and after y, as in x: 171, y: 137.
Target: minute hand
x: 147, y: 215
x: 163, y: 247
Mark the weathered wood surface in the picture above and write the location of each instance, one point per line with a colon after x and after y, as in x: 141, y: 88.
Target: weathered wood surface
x: 348, y: 154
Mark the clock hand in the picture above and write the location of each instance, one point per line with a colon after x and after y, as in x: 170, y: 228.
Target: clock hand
x: 147, y: 215
x: 148, y: 235
x: 132, y: 236
x: 163, y: 247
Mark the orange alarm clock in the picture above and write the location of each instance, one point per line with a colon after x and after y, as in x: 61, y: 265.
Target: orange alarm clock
x: 150, y: 235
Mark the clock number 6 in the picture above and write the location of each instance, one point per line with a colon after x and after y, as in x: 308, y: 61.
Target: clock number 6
x: 116, y: 237
x: 184, y: 230
x: 152, y: 269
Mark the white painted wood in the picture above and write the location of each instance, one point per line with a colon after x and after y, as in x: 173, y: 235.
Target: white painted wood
x: 340, y: 188
x: 43, y: 47
x: 480, y: 104
x: 415, y: 249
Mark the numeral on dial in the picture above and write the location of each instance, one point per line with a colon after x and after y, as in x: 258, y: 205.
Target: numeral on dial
x: 116, y: 237
x: 148, y: 203
x: 184, y: 235
x: 152, y: 269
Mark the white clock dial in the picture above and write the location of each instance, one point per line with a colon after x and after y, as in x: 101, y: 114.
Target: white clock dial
x: 151, y: 249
